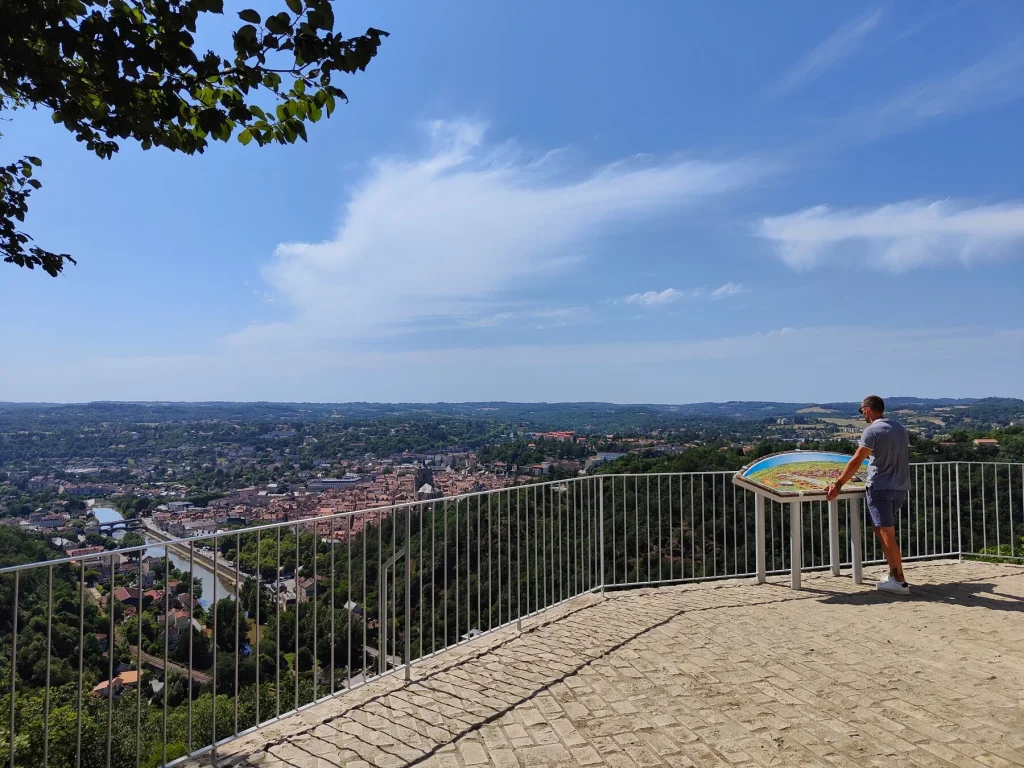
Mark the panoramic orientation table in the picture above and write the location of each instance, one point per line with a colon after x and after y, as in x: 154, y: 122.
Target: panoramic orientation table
x: 796, y: 477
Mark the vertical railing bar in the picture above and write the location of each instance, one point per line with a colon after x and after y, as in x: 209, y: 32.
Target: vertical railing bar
x: 918, y: 471
x: 295, y: 580
x: 167, y: 618
x: 490, y: 570
x: 995, y: 478
x: 469, y: 571
x: 259, y: 599
x: 419, y: 637
x: 444, y: 512
x: 191, y: 615
x: 600, y: 529
x: 660, y: 530
x: 316, y: 600
x: 508, y: 551
x: 479, y: 562
x: 138, y: 664
x: 433, y: 580
x: 735, y: 536
x: 615, y: 573
x: 382, y: 603
x: 213, y: 709
x: 349, y: 607
x: 49, y: 645
x: 81, y: 662
x: 456, y: 579
x: 408, y: 592
x: 366, y: 609
x: 544, y: 519
x: 394, y: 583
x: 959, y: 520
x: 277, y: 629
x: 703, y: 530
x: 14, y: 668
x: 693, y: 533
x: 970, y: 503
x: 1013, y: 541
x: 238, y: 606
x: 563, y: 542
x: 648, y: 525
x: 110, y: 663
x: 636, y: 539
x: 536, y: 558
x: 519, y: 558
x: 984, y: 512
x: 334, y: 610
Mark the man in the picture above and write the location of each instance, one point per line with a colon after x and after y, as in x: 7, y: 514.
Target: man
x: 887, y: 443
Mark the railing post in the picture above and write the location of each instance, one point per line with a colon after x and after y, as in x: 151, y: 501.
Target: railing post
x: 408, y: 593
x: 833, y: 536
x: 796, y: 546
x: 600, y: 508
x: 759, y: 554
x: 382, y: 633
x: 959, y: 539
x: 855, y: 536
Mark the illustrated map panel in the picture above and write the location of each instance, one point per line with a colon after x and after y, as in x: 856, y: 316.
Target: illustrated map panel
x: 793, y: 472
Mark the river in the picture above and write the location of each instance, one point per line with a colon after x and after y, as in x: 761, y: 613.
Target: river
x: 224, y: 588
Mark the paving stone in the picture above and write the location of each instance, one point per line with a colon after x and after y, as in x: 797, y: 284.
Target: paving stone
x: 724, y: 674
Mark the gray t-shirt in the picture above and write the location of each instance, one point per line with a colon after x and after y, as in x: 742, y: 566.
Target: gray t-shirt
x: 889, y: 465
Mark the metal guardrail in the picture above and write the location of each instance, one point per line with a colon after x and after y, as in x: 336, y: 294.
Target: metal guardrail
x: 337, y: 601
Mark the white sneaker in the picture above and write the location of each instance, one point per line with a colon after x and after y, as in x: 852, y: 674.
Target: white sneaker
x: 893, y: 586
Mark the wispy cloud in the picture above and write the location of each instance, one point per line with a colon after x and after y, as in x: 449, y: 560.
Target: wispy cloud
x: 532, y: 318
x: 727, y: 290
x: 833, y: 49
x: 671, y: 295
x: 655, y: 298
x: 896, y: 237
x: 993, y: 80
x: 469, y: 222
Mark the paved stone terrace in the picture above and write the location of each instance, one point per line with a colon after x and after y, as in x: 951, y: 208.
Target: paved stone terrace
x: 721, y: 674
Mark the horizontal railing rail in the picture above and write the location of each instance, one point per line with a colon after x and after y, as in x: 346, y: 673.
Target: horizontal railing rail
x: 147, y: 655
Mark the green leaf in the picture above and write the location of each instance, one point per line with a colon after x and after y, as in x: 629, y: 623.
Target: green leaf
x: 295, y: 5
x: 34, y: 183
x: 300, y: 87
x: 279, y: 23
x: 245, y: 137
x: 35, y: 161
x: 249, y: 15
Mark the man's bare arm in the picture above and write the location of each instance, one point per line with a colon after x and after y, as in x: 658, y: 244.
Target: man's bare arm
x: 849, y: 471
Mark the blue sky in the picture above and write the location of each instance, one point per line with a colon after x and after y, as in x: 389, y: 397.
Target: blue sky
x: 647, y: 202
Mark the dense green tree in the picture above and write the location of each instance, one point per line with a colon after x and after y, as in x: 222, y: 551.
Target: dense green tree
x: 129, y: 69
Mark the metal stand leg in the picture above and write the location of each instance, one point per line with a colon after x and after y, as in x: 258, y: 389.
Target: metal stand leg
x: 855, y: 536
x: 796, y: 544
x: 833, y: 536
x: 759, y: 538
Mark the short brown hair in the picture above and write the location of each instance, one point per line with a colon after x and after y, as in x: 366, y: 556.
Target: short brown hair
x: 875, y: 403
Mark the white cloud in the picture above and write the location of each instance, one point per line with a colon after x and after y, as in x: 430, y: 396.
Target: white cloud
x: 896, y: 237
x: 833, y: 49
x: 655, y: 298
x: 670, y: 295
x: 727, y: 290
x: 447, y: 234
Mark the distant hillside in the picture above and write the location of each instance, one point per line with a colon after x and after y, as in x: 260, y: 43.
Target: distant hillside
x: 583, y: 417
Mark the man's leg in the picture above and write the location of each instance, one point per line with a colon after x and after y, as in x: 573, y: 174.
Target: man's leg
x: 891, y: 550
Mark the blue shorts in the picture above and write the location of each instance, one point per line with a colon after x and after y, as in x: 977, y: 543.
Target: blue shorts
x: 884, y: 505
